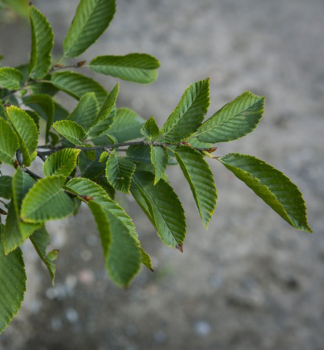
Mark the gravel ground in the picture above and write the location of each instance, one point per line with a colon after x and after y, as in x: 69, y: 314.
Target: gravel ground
x: 248, y: 283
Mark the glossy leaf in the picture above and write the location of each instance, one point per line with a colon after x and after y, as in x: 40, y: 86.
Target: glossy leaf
x: 235, y: 120
x: 165, y: 208
x: 12, y: 283
x: 27, y: 133
x: 47, y: 201
x: 200, y: 179
x: 119, y: 172
x: 42, y: 44
x: 272, y: 186
x: 8, y: 142
x: 135, y: 67
x: 91, y: 19
x: 10, y: 78
x: 70, y: 130
x: 76, y: 85
x: 61, y: 162
x: 189, y: 113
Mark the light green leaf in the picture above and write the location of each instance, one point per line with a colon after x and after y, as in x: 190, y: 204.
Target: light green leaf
x: 47, y: 201
x: 272, y: 186
x: 86, y: 111
x: 61, y: 162
x: 165, y: 208
x: 10, y: 78
x: 106, y: 115
x: 12, y: 283
x: 235, y: 120
x: 76, y: 85
x: 34, y: 116
x: 27, y: 132
x: 5, y: 186
x: 91, y: 19
x: 150, y: 129
x: 41, y: 239
x: 86, y: 187
x: 135, y: 67
x: 189, y: 113
x: 70, y: 130
x: 200, y: 179
x: 42, y: 44
x: 119, y: 172
x: 8, y: 142
x: 159, y: 158
x: 16, y: 231
x: 127, y: 125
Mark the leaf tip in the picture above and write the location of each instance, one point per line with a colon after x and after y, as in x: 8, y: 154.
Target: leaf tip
x: 180, y: 248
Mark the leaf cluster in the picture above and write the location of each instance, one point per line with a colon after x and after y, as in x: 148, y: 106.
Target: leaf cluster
x: 98, y: 148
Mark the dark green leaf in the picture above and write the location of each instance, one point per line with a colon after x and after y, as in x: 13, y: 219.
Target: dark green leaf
x: 5, y: 186
x: 200, y: 179
x: 159, y: 158
x: 164, y: 207
x: 8, y: 142
x: 119, y: 172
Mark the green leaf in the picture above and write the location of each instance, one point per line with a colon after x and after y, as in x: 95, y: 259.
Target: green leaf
x: 121, y: 251
x: 44, y: 106
x: 139, y: 154
x: 42, y: 44
x: 5, y: 186
x: 8, y: 142
x: 91, y: 19
x: 61, y: 162
x: 119, y: 172
x: 235, y: 120
x: 47, y: 201
x: 40, y: 240
x: 76, y: 85
x: 127, y: 125
x: 27, y: 132
x: 60, y: 112
x: 165, y: 208
x: 150, y: 129
x: 189, y: 113
x: 10, y: 78
x: 12, y: 283
x: 16, y: 231
x: 70, y: 130
x: 86, y: 111
x: 106, y: 115
x: 272, y: 186
x: 135, y: 67
x: 200, y: 179
x: 159, y: 158
x: 34, y: 116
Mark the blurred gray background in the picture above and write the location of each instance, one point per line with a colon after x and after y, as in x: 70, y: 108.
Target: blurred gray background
x: 250, y: 281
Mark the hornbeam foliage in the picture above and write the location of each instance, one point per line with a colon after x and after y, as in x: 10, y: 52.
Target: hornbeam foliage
x: 98, y: 149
